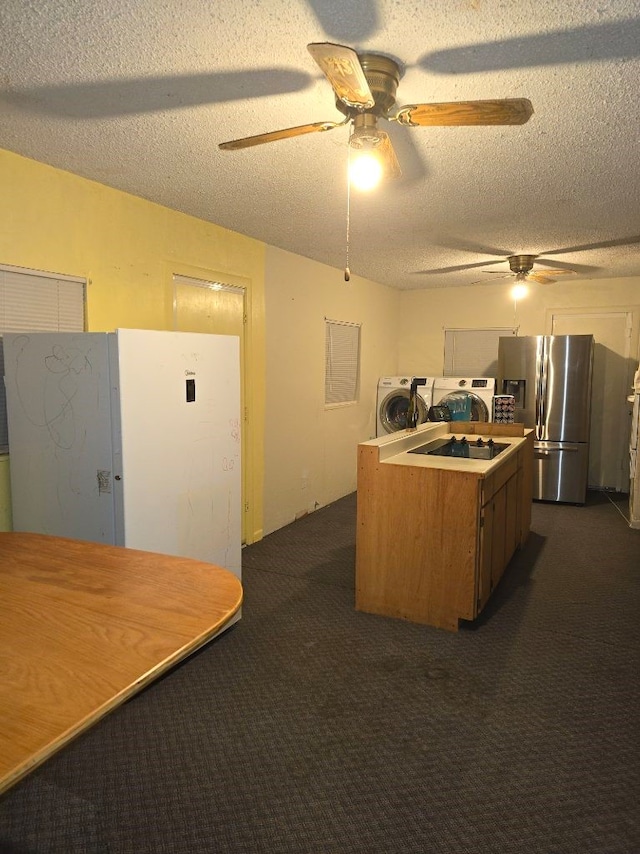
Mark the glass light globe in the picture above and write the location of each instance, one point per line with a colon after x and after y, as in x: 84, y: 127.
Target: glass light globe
x: 365, y: 171
x: 519, y: 291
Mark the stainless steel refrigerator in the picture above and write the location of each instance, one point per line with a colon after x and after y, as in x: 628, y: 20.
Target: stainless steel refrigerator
x: 550, y: 378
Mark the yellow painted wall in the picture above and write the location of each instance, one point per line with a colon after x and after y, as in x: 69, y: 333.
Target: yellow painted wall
x: 128, y: 249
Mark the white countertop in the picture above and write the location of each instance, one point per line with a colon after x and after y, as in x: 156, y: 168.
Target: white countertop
x: 394, y: 449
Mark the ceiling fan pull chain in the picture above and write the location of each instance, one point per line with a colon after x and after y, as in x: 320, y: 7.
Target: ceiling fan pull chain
x: 347, y: 271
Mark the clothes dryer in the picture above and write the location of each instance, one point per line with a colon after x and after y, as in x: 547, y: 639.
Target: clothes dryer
x: 392, y: 402
x: 468, y: 398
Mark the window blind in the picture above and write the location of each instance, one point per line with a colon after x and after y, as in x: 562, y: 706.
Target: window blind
x: 342, y: 362
x: 472, y: 352
x: 34, y: 301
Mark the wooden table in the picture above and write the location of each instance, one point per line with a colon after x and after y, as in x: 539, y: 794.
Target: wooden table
x: 84, y: 626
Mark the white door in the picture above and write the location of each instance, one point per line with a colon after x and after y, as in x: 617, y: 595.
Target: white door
x: 609, y: 439
x: 179, y: 398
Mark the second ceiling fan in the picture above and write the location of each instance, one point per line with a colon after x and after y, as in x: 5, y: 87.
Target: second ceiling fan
x: 365, y: 87
x: 521, y: 267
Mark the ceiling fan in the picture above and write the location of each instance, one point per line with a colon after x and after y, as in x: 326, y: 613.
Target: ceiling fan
x: 522, y: 270
x: 365, y: 91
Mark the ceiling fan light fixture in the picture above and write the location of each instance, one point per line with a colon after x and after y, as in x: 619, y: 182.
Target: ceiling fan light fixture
x: 365, y: 170
x: 520, y: 290
x: 366, y: 162
x: 365, y: 132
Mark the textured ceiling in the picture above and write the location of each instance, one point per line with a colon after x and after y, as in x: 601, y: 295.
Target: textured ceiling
x: 137, y: 95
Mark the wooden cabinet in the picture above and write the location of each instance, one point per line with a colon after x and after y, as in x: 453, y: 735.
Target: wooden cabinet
x: 501, y: 515
x: 432, y: 543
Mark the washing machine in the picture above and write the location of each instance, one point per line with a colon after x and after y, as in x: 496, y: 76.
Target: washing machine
x: 393, y: 401
x: 468, y: 398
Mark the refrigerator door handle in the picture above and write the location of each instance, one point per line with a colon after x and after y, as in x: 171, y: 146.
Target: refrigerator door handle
x: 544, y: 376
x: 547, y: 452
x: 540, y: 385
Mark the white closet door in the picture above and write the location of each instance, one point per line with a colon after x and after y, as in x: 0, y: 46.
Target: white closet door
x: 610, y: 423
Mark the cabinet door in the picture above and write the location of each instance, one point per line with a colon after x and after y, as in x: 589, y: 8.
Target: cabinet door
x: 484, y: 563
x: 525, y: 469
x: 512, y: 517
x: 498, y: 538
x: 502, y: 520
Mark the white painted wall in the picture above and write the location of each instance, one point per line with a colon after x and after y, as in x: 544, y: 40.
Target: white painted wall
x: 426, y: 313
x: 310, y: 451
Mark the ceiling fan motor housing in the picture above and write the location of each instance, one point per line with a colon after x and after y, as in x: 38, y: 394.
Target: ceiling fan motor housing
x: 521, y: 263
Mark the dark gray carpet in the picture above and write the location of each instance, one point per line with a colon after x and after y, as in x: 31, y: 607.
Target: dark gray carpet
x: 310, y: 728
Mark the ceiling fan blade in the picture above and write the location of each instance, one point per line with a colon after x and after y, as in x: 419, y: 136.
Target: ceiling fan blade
x: 414, y: 168
x: 540, y: 278
x: 286, y: 133
x: 510, y: 111
x: 388, y: 155
x: 564, y: 272
x: 342, y: 68
x: 455, y: 269
x: 485, y: 281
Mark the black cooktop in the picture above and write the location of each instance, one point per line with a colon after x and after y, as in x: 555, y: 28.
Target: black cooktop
x: 451, y: 446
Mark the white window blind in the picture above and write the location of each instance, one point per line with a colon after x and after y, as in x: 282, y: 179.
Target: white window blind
x: 33, y: 301
x: 472, y: 352
x: 342, y: 362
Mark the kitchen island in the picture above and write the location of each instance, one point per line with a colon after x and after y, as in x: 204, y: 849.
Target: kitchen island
x: 435, y: 533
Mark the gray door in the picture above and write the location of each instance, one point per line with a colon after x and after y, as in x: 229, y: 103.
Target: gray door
x: 59, y: 413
